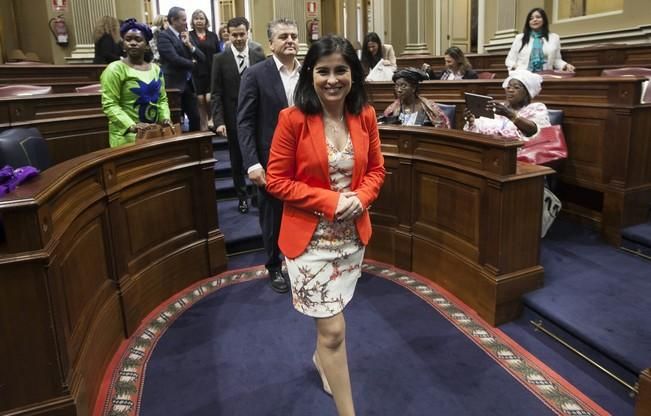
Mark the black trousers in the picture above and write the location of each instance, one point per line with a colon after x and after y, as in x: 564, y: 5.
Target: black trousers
x: 190, y: 108
x: 237, y: 165
x: 271, y: 212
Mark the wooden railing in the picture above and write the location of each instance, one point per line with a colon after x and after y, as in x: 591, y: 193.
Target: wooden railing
x: 90, y: 247
x: 588, y: 61
x: 73, y: 124
x: 606, y: 179
x: 458, y: 209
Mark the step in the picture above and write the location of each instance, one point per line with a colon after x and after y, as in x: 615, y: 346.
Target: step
x: 223, y: 165
x: 596, y: 293
x: 226, y: 190
x: 219, y: 142
x: 636, y: 239
x: 241, y: 231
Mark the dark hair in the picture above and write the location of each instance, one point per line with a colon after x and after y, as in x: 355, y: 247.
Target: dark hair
x: 271, y: 27
x: 368, y: 60
x: 195, y: 14
x: 305, y: 97
x: 544, y: 30
x: 413, y: 76
x: 238, y: 21
x: 458, y: 56
x: 174, y: 13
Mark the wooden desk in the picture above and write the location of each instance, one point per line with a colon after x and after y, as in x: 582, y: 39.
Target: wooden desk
x: 457, y: 208
x: 92, y: 246
x: 606, y: 179
x: 73, y: 124
x: 62, y: 78
x: 589, y: 62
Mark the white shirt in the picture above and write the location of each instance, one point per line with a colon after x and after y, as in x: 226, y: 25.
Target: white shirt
x: 245, y: 52
x: 290, y: 79
x: 519, y: 59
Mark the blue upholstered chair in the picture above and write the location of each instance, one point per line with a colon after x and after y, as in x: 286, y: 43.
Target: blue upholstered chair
x: 450, y: 111
x: 555, y: 116
x: 24, y: 146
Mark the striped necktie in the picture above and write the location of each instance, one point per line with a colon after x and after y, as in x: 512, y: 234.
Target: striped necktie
x: 242, y: 64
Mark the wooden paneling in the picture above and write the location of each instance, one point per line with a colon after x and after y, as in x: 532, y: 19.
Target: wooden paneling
x: 469, y: 215
x: 643, y: 403
x: 62, y: 78
x: 606, y: 179
x: 92, y: 246
x: 589, y: 62
x: 72, y: 124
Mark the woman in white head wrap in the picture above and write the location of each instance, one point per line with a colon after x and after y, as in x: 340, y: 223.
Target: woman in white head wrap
x: 518, y: 116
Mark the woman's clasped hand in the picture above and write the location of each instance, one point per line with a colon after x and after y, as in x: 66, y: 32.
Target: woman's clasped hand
x: 348, y: 207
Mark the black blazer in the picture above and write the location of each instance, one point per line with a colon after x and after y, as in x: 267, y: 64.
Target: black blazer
x: 106, y: 50
x: 209, y: 47
x: 225, y: 86
x: 261, y: 98
x: 176, y: 59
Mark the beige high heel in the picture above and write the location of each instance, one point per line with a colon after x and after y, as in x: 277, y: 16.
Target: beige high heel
x: 324, y: 380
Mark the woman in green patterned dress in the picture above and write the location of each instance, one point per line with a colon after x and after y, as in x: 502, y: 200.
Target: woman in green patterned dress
x: 133, y: 90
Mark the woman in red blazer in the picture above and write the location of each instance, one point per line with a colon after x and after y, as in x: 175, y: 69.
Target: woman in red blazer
x: 326, y: 166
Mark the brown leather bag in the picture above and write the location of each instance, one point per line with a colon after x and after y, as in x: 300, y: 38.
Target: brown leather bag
x: 159, y: 132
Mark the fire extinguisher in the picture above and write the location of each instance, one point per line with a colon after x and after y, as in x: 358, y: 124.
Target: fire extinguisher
x: 313, y: 30
x: 59, y: 30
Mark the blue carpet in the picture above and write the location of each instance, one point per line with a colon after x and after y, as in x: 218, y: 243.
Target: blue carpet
x: 592, y: 382
x: 243, y: 350
x: 241, y: 231
x: 596, y: 292
x: 638, y: 238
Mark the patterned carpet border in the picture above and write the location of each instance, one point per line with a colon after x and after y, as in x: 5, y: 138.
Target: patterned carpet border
x: 120, y: 393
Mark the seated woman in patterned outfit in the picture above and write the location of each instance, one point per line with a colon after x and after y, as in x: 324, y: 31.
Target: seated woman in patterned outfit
x: 410, y: 109
x: 326, y: 166
x: 518, y: 116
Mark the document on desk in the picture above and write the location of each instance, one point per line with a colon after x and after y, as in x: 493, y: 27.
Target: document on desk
x: 477, y: 105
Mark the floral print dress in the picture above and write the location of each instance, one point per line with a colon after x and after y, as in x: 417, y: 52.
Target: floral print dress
x: 323, y: 278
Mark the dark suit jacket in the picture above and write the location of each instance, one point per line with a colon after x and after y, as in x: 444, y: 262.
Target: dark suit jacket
x: 261, y: 98
x: 176, y: 59
x: 225, y: 86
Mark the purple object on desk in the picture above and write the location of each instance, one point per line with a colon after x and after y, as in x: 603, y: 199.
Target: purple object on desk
x: 10, y: 178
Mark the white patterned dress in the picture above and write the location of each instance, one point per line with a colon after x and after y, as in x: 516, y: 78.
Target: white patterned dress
x: 324, y: 276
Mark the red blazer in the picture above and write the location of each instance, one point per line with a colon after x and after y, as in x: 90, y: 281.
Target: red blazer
x: 297, y: 173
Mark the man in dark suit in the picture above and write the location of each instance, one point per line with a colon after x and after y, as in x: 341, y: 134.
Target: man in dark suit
x: 227, y: 69
x: 267, y: 88
x: 177, y: 57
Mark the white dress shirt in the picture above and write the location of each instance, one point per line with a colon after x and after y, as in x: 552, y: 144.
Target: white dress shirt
x: 245, y: 52
x: 290, y: 79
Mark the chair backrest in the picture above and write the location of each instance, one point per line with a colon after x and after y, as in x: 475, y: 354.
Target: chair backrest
x: 626, y: 72
x: 450, y: 111
x: 486, y: 75
x: 555, y: 117
x: 18, y: 90
x: 89, y: 88
x: 24, y: 146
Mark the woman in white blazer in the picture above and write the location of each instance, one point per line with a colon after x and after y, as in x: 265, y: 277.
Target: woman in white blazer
x: 536, y: 49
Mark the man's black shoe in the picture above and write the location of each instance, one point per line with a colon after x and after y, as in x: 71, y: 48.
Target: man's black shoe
x: 278, y: 281
x: 243, y: 206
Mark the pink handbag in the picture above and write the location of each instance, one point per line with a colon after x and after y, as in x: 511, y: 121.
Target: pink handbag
x: 549, y: 145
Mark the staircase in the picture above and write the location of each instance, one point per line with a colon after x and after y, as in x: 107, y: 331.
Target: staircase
x: 636, y: 239
x: 241, y: 231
